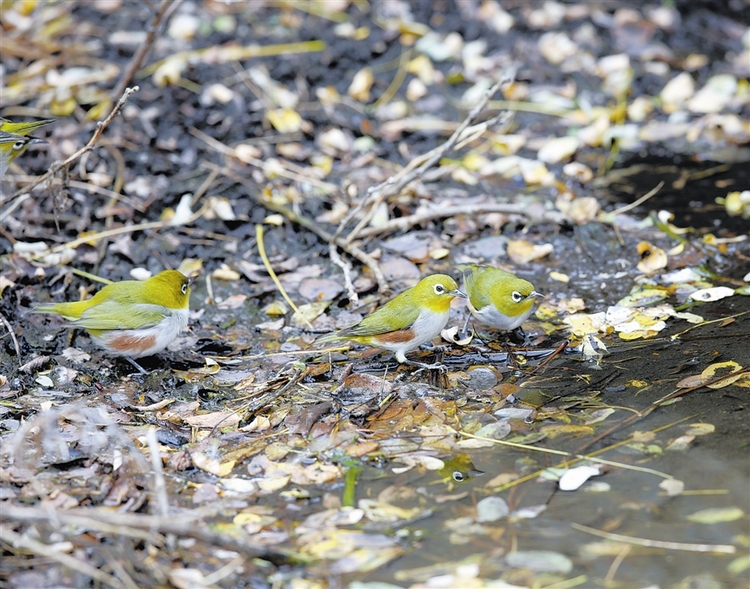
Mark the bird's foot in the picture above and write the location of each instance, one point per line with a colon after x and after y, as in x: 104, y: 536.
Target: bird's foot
x: 439, y: 349
x: 423, y: 366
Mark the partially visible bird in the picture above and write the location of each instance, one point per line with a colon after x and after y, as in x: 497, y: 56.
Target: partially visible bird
x: 498, y: 298
x: 411, y: 319
x: 24, y: 127
x: 11, y: 146
x: 458, y: 469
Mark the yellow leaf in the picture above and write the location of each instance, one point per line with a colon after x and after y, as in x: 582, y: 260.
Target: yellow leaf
x: 652, y: 258
x: 285, y: 120
x: 715, y: 370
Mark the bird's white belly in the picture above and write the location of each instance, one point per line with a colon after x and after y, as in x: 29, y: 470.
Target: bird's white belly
x: 137, y: 343
x: 494, y: 318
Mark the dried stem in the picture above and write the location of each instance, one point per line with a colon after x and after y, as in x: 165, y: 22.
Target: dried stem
x: 417, y: 167
x: 404, y: 223
x: 140, y: 55
x: 721, y: 548
x: 259, y: 234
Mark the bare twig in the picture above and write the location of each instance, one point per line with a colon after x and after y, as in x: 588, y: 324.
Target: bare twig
x: 12, y: 336
x: 153, y: 28
x: 160, y: 487
x: 20, y: 541
x: 346, y: 268
x: 417, y: 167
x: 640, y: 201
x: 100, y: 126
x: 403, y: 223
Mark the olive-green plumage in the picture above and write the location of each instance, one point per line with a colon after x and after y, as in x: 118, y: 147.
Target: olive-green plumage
x: 498, y: 298
x: 11, y: 146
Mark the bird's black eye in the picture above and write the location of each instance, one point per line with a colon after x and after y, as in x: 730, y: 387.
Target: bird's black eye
x: 19, y: 145
x: 458, y: 476
x: 516, y: 296
x: 184, y: 288
x: 439, y: 289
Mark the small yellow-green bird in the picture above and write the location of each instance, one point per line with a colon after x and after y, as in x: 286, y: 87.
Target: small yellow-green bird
x: 11, y: 146
x: 459, y: 469
x: 131, y: 318
x: 411, y: 319
x: 498, y: 298
x: 23, y: 128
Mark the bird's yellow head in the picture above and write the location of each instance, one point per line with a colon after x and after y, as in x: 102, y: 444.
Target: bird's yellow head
x: 514, y: 297
x: 510, y: 295
x: 436, y: 292
x: 11, y: 146
x: 170, y: 289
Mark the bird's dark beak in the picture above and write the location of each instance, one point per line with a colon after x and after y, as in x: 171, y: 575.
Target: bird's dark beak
x: 535, y: 295
x: 457, y: 293
x: 36, y: 141
x: 192, y: 279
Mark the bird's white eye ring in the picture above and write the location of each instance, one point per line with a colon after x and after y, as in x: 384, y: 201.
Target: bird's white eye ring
x: 458, y: 476
x: 516, y: 296
x: 18, y: 145
x: 439, y: 289
x: 184, y: 288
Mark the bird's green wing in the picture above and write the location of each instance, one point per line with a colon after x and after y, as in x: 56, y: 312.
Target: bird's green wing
x: 112, y: 315
x: 400, y: 313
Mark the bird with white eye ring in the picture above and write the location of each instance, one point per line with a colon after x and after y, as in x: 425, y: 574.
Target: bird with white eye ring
x: 498, y: 298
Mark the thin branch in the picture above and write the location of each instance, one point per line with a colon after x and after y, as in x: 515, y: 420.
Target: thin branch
x: 160, y: 487
x: 404, y: 223
x: 100, y: 127
x: 346, y: 268
x: 418, y: 166
x: 12, y: 336
x: 140, y: 55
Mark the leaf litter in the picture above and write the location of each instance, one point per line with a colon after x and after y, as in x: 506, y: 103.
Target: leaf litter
x: 245, y: 441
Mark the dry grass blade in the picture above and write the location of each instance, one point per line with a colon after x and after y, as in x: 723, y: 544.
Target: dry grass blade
x: 720, y: 548
x: 259, y: 234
